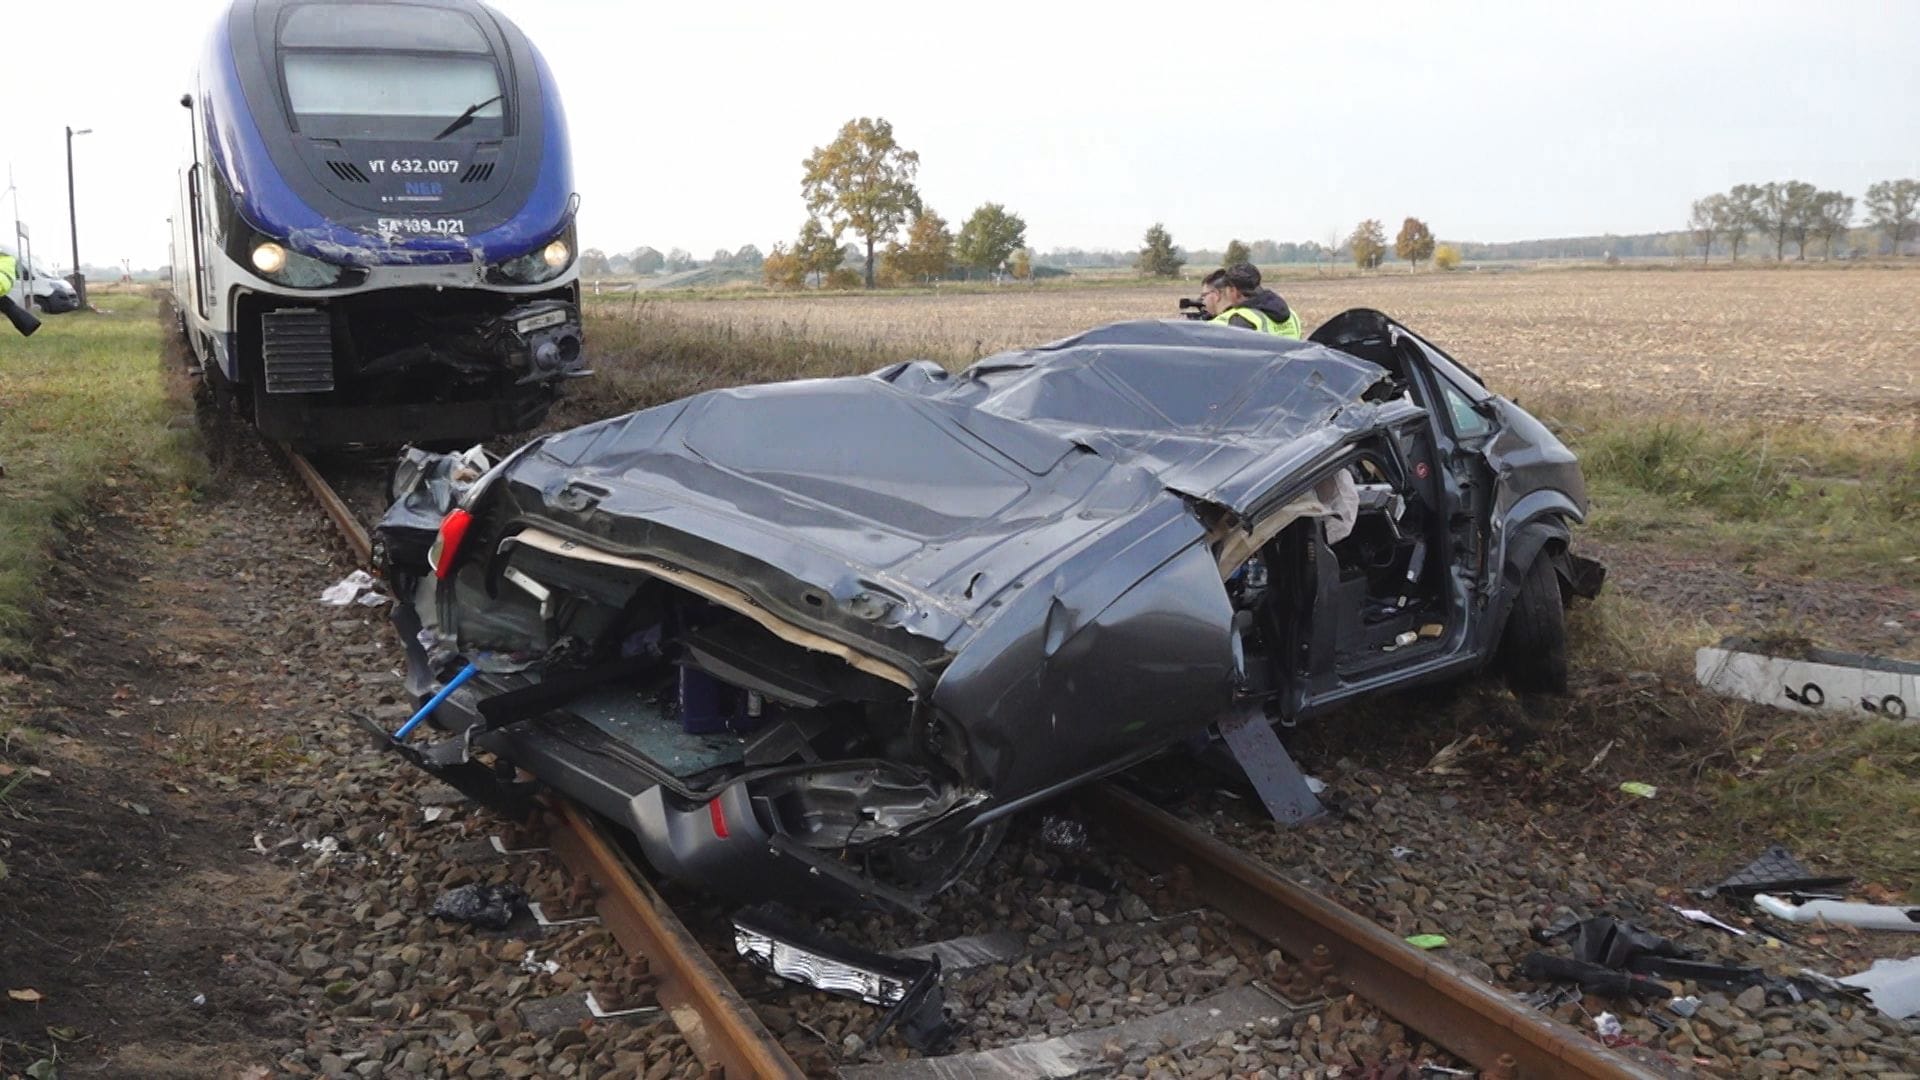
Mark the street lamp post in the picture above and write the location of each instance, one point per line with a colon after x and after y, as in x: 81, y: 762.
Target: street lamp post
x: 73, y: 220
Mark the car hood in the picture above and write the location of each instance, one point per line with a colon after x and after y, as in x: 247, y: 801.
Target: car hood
x: 919, y: 500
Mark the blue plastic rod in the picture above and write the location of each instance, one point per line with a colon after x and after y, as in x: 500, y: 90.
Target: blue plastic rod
x: 433, y: 702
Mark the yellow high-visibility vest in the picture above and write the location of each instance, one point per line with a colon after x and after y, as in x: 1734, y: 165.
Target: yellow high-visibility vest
x: 1264, y: 322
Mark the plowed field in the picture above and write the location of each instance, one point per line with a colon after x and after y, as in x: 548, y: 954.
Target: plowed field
x: 1796, y: 342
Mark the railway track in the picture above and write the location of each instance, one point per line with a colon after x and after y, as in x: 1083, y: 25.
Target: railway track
x: 1331, y: 951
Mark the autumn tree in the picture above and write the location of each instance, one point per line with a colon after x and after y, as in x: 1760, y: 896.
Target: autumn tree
x: 782, y: 268
x: 647, y: 261
x: 818, y: 249
x: 989, y: 238
x: 748, y: 258
x: 1891, y: 207
x: 928, y: 252
x: 1157, y: 254
x: 594, y: 262
x: 1022, y: 265
x: 863, y: 180
x: 1703, y: 224
x: 1369, y: 244
x: 1446, y: 257
x: 1237, y: 252
x: 1415, y: 241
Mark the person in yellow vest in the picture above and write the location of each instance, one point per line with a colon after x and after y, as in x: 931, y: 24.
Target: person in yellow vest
x: 20, y: 317
x: 1234, y: 296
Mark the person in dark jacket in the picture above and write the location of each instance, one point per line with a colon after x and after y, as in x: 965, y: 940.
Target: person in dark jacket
x: 1234, y: 296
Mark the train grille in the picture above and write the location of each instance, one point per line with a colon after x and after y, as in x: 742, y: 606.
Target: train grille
x: 477, y: 172
x: 297, y: 350
x: 348, y: 171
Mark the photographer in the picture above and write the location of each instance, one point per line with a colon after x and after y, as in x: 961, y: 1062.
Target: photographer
x: 22, y: 319
x: 1235, y: 296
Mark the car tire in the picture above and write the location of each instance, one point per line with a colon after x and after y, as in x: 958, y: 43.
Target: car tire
x: 1533, y: 645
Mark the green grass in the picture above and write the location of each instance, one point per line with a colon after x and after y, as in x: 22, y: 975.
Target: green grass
x: 1845, y: 788
x: 1806, y: 498
x: 83, y: 409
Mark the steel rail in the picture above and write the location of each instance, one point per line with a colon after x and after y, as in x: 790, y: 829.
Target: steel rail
x: 716, y: 1022
x: 350, y: 528
x: 1462, y: 1014
x: 712, y: 1016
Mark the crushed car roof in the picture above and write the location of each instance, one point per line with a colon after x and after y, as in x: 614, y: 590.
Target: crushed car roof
x: 931, y: 482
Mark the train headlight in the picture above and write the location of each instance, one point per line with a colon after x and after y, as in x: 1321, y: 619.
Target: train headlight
x: 539, y: 265
x: 269, y: 257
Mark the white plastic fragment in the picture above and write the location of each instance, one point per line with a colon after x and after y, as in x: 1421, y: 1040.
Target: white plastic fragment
x: 1841, y: 913
x: 1606, y: 1025
x: 350, y: 589
x: 1696, y: 915
x: 1892, y: 985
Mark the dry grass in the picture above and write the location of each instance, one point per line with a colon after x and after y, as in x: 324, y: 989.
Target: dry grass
x: 1755, y: 344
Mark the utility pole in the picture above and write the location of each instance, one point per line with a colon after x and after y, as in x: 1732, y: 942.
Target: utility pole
x: 73, y: 219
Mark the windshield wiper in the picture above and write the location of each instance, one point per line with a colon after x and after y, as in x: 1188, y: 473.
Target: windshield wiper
x: 466, y: 117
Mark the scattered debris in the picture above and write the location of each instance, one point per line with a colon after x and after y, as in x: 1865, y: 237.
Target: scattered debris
x: 1062, y: 833
x: 27, y: 996
x: 534, y: 966
x: 357, y: 587
x: 199, y: 1001
x: 1892, y: 985
x: 1611, y: 955
x: 1817, y: 680
x: 491, y: 906
x: 1599, y: 757
x: 1428, y: 941
x: 324, y: 848
x: 1635, y: 787
x: 1592, y: 977
x: 1841, y: 913
x: 1775, y: 871
x: 1684, y: 1007
x: 1447, y: 760
x: 771, y: 938
x: 1696, y: 915
x: 1607, y: 1025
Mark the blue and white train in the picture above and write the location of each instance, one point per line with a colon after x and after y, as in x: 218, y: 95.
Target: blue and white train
x: 374, y: 241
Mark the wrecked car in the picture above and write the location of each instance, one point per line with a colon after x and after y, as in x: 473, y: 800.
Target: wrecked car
x: 822, y: 638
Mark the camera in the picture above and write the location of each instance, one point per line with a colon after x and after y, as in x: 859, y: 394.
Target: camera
x: 1193, y: 309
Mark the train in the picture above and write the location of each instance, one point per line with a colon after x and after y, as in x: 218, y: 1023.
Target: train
x: 374, y: 239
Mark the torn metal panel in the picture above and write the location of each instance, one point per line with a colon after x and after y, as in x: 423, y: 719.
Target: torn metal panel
x: 1815, y: 680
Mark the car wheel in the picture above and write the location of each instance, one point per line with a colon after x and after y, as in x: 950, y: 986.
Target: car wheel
x: 926, y: 865
x: 1533, y: 646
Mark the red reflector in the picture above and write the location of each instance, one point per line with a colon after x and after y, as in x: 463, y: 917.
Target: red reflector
x: 719, y: 817
x: 453, y: 529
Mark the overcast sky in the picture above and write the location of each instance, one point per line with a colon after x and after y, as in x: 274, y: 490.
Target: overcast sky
x: 1490, y: 120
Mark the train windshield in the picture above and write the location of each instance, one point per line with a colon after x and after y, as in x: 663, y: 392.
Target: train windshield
x: 396, y: 71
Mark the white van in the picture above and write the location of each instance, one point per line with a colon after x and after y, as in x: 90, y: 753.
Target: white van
x: 50, y: 292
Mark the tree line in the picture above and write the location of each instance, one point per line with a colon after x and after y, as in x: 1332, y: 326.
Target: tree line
x: 1795, y: 212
